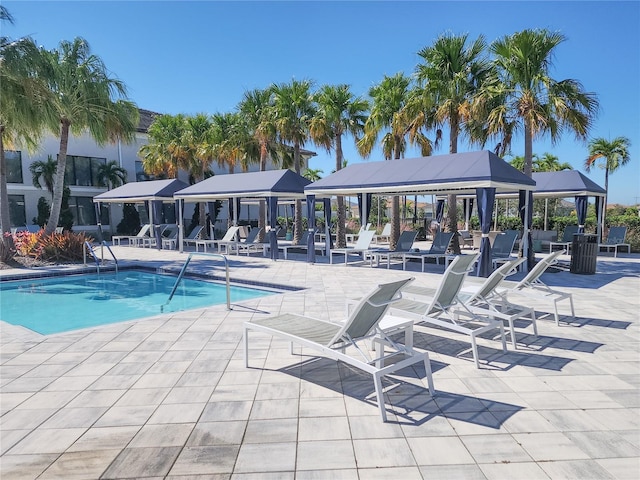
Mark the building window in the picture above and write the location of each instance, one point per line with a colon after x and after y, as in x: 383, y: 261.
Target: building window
x: 83, y: 211
x: 83, y: 171
x: 17, y: 211
x: 13, y: 162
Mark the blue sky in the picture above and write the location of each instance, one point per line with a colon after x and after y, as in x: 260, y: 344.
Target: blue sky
x: 201, y: 56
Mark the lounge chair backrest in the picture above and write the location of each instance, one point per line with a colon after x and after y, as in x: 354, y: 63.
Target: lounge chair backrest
x: 504, y: 243
x: 231, y: 233
x: 441, y: 242
x: 144, y: 231
x: 539, y: 268
x: 195, y: 232
x: 370, y: 310
x: 386, y: 231
x: 253, y: 235
x: 616, y: 235
x: 304, y: 238
x: 405, y: 241
x: 364, y: 240
x: 451, y: 283
x: 495, y: 279
x: 569, y: 230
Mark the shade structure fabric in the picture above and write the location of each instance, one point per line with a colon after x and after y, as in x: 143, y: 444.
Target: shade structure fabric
x: 142, y: 191
x: 279, y: 183
x: 272, y: 203
x: 311, y: 224
x: 452, y: 173
x: 486, y: 198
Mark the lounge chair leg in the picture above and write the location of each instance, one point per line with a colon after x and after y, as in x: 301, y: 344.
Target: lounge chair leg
x: 380, y: 396
x: 513, y: 334
x: 474, y: 350
x: 427, y: 368
x: 504, y: 340
x: 534, y: 322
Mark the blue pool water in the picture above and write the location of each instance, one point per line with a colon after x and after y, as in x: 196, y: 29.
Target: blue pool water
x: 60, y: 304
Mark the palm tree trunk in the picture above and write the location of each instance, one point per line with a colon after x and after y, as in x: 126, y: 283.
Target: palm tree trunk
x: 452, y: 199
x: 58, y: 185
x: 341, y: 241
x: 297, y: 222
x: 606, y: 196
x: 5, y: 218
x: 395, y: 205
x: 262, y: 209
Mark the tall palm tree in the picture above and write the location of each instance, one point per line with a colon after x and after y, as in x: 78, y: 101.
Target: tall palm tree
x: 614, y: 153
x: 530, y: 97
x: 313, y: 174
x: 21, y: 96
x: 44, y: 172
x: 84, y: 98
x: 294, y: 108
x: 195, y: 144
x: 545, y: 163
x: 257, y: 111
x: 340, y: 112
x: 452, y: 71
x: 165, y: 152
x: 389, y: 117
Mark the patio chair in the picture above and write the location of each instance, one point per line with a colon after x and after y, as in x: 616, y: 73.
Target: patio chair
x: 485, y: 300
x: 567, y: 238
x: 132, y: 239
x: 437, y: 251
x: 170, y: 237
x: 347, y: 341
x: 405, y: 243
x: 362, y: 245
x: 193, y: 236
x: 250, y: 244
x: 167, y: 230
x: 503, y: 247
x: 228, y: 237
x: 445, y: 308
x: 615, y: 239
x: 532, y: 287
x: 466, y: 239
x: 385, y: 235
x: 352, y: 237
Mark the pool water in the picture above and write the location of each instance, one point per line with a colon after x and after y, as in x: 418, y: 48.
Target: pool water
x: 61, y: 304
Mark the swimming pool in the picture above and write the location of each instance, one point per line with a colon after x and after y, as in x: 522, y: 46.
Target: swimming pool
x: 60, y: 304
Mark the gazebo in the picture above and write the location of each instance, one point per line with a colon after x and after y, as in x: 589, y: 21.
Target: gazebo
x: 481, y: 173
x: 271, y: 185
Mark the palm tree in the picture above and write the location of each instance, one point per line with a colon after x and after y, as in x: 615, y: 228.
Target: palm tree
x: 530, y: 97
x: 294, y: 109
x: 547, y: 163
x: 165, y: 152
x: 21, y: 96
x: 615, y: 154
x: 313, y: 174
x: 45, y: 172
x: 449, y: 77
x: 389, y: 116
x: 84, y: 97
x: 257, y: 111
x: 340, y: 112
x: 197, y: 155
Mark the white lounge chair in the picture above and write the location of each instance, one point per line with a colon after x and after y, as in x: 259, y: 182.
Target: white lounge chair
x: 193, y: 236
x: 567, y: 238
x: 437, y: 251
x: 132, y: 239
x: 404, y: 245
x: 352, y: 237
x: 362, y: 245
x: 347, y: 342
x: 445, y: 309
x: 250, y: 244
x: 532, y: 287
x: 385, y: 235
x: 502, y: 248
x: 615, y: 239
x: 229, y: 236
x: 485, y: 300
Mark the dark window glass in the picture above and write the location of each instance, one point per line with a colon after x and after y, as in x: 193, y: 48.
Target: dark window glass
x: 13, y: 162
x: 17, y: 211
x: 83, y: 210
x: 82, y: 171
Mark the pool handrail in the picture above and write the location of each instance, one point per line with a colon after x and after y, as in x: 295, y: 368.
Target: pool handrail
x: 92, y: 252
x: 184, y: 268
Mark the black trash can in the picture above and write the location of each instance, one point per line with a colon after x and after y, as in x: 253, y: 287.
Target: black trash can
x: 584, y: 253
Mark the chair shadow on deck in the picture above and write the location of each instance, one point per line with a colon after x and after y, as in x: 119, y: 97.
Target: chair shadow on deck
x: 407, y: 400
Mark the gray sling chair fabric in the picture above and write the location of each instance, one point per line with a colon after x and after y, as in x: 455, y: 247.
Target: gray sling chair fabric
x: 445, y: 309
x: 405, y: 243
x: 347, y: 342
x: 437, y: 251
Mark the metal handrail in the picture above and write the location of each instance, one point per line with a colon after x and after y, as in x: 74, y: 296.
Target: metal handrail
x: 87, y: 246
x: 184, y: 268
x: 104, y: 244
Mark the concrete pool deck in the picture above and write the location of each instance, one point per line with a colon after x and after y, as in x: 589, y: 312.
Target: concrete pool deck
x: 170, y: 397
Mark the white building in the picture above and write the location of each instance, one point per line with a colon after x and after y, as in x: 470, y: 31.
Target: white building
x: 83, y: 158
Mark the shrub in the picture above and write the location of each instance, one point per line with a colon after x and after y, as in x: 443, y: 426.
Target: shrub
x: 63, y: 247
